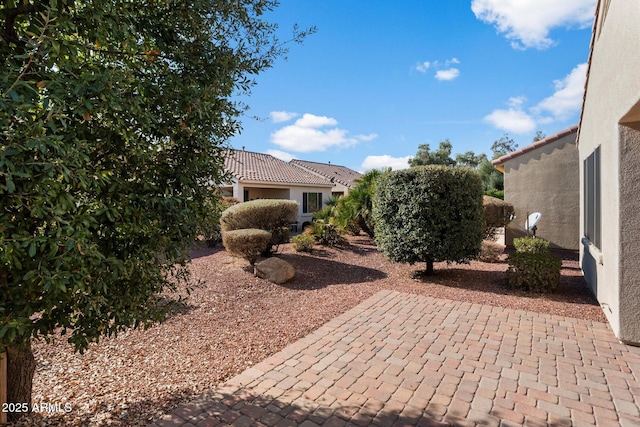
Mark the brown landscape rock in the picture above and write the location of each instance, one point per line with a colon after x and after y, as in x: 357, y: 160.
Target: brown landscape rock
x: 275, y: 270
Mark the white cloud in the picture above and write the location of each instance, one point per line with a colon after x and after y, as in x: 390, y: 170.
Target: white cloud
x: 282, y: 155
x: 527, y: 23
x: 444, y: 70
x: 385, y: 161
x: 450, y: 74
x: 565, y: 102
x: 514, y: 119
x: 369, y: 137
x: 282, y: 116
x: 310, y: 133
x: 423, y: 66
x: 567, y: 98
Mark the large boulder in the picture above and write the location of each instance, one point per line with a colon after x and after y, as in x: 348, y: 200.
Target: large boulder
x: 275, y: 270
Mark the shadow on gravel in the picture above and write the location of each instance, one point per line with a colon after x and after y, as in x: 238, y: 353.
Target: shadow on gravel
x: 325, y: 272
x: 571, y: 289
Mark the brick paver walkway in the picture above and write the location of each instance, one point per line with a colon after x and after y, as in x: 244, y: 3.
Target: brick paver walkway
x: 404, y: 360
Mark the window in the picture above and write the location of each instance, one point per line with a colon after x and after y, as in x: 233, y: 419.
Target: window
x: 592, y: 198
x: 311, y: 202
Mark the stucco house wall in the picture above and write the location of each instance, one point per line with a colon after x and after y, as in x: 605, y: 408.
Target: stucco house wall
x: 543, y: 177
x: 262, y: 176
x: 611, y: 121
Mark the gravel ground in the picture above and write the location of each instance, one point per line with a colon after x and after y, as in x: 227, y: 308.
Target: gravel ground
x: 234, y: 320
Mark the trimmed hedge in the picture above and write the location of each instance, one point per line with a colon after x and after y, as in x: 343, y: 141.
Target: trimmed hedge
x: 429, y: 213
x: 497, y: 213
x: 273, y: 215
x: 248, y: 243
x: 531, y: 245
x: 532, y: 267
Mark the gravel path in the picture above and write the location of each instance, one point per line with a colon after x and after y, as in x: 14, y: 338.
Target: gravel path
x: 234, y: 320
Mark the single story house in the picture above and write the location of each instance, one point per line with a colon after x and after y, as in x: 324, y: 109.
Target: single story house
x: 609, y: 152
x: 544, y: 177
x: 262, y: 176
x: 342, y: 177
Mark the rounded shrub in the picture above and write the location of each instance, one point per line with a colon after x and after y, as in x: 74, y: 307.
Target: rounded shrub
x: 248, y: 243
x: 429, y: 213
x: 531, y: 245
x: 273, y: 215
x: 532, y: 268
x: 303, y: 242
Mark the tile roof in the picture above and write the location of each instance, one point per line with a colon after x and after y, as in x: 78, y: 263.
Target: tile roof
x: 537, y: 144
x: 339, y: 174
x: 258, y: 167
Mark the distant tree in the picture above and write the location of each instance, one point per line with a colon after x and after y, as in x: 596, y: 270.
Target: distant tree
x: 539, y: 136
x: 502, y: 146
x: 113, y: 120
x: 429, y: 213
x: 470, y: 159
x: 442, y: 156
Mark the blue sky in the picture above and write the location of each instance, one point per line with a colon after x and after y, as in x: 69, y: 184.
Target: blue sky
x: 379, y: 78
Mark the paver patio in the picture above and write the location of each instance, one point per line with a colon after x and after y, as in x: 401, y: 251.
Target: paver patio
x: 399, y: 359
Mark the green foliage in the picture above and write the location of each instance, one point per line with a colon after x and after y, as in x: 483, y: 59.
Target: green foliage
x: 303, y: 242
x: 534, y: 272
x: 325, y: 233
x: 248, y: 243
x: 354, y: 211
x: 442, y: 156
x: 531, y: 245
x: 532, y: 267
x: 113, y: 117
x: 502, y: 146
x: 496, y: 213
x: 429, y: 213
x: 470, y: 159
x: 498, y: 194
x: 273, y: 215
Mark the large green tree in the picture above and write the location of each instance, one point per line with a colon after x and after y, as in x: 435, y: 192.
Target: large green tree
x: 429, y: 213
x: 113, y: 116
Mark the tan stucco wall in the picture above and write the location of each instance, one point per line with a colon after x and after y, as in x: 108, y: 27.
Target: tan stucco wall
x: 613, y: 89
x: 546, y: 180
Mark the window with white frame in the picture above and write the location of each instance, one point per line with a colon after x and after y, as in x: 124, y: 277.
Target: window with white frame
x: 311, y: 202
x: 592, y: 198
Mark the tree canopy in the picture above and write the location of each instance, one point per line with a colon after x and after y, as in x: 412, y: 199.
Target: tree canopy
x: 113, y: 119
x: 441, y: 156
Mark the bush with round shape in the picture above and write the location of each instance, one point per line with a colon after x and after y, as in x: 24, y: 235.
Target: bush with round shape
x: 532, y: 268
x: 273, y: 215
x: 429, y: 213
x: 303, y: 242
x: 248, y: 243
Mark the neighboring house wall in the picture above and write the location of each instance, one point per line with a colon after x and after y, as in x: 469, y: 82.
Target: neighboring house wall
x: 261, y: 176
x: 544, y: 177
x: 610, y: 128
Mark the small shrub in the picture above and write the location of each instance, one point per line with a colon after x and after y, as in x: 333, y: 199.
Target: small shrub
x: 303, y: 242
x: 273, y: 215
x: 531, y: 245
x: 533, y: 272
x: 325, y: 233
x: 491, y: 251
x: 532, y: 267
x: 248, y: 243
